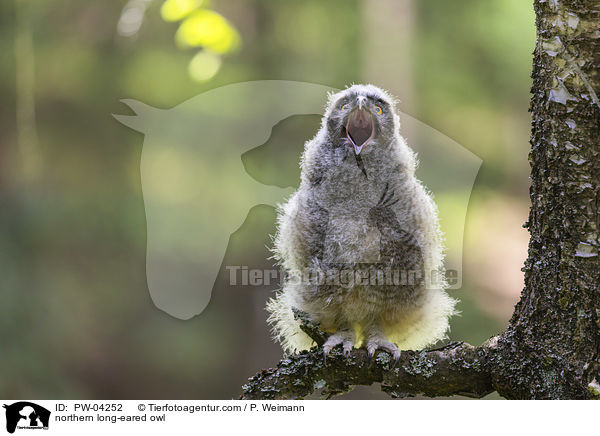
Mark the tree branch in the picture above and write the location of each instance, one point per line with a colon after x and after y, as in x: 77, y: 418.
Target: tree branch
x: 455, y: 369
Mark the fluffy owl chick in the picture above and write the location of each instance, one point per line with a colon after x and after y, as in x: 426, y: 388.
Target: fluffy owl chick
x: 360, y: 240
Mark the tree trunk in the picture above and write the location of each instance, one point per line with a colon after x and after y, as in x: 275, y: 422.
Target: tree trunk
x: 551, y: 347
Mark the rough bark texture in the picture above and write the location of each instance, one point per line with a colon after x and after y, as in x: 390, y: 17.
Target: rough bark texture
x: 456, y: 369
x: 551, y: 348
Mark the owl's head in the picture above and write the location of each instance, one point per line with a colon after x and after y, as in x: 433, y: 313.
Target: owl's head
x: 361, y: 117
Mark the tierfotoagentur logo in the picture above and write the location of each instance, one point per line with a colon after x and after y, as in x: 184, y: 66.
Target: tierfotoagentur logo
x: 26, y: 415
x: 349, y: 276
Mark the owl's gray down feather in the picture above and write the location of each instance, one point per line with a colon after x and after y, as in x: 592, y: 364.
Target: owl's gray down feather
x: 360, y: 240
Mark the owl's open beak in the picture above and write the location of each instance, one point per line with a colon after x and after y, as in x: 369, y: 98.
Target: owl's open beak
x: 360, y: 129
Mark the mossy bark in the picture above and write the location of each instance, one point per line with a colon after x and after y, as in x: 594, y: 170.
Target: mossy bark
x: 456, y: 369
x: 551, y: 348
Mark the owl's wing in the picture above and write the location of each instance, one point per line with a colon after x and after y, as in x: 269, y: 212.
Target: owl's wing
x: 315, y: 229
x: 399, y: 248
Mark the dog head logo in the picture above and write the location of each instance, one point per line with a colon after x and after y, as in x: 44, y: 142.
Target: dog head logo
x: 26, y: 415
x: 197, y: 192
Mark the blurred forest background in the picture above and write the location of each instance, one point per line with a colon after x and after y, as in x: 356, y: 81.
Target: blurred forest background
x: 76, y: 318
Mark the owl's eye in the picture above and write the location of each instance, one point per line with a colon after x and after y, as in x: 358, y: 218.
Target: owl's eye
x: 344, y: 107
x: 378, y: 110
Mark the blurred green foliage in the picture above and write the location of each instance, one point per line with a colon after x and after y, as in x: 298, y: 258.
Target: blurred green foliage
x: 203, y: 28
x: 76, y: 320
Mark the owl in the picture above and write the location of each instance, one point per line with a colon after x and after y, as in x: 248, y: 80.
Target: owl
x: 359, y: 240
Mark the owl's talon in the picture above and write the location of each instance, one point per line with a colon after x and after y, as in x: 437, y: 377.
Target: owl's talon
x: 347, y: 348
x: 379, y: 342
x: 370, y: 354
x: 343, y: 337
x: 346, y: 351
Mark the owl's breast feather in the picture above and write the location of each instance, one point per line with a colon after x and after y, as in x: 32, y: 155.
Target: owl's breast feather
x: 349, y: 240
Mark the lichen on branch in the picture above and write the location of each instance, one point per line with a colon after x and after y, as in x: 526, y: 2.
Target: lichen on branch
x: 455, y: 369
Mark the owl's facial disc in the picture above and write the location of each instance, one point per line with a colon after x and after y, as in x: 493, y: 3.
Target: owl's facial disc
x: 360, y: 129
